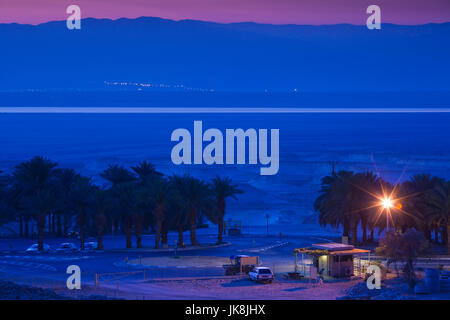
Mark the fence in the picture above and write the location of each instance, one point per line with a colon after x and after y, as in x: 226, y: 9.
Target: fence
x: 116, y: 276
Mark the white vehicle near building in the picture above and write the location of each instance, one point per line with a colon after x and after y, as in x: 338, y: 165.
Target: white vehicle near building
x: 35, y: 248
x: 261, y: 274
x: 67, y: 247
x: 90, y: 246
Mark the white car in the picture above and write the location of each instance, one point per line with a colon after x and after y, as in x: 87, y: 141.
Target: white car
x: 90, y: 246
x: 67, y: 247
x: 262, y: 274
x: 35, y: 248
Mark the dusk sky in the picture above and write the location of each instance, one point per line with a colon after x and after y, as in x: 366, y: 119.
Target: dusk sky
x: 263, y: 11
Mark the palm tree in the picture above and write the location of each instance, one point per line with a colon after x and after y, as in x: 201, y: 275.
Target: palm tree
x: 177, y: 209
x: 33, y: 179
x: 102, y: 203
x: 439, y: 205
x: 7, y: 210
x: 81, y: 199
x: 196, y: 193
x: 146, y: 173
x: 160, y: 193
x: 125, y: 205
x: 117, y: 175
x: 65, y: 178
x: 367, y: 185
x: 418, y: 189
x: 223, y: 189
x: 333, y: 202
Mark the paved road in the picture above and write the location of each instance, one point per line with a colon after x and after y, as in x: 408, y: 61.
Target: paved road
x: 51, y: 267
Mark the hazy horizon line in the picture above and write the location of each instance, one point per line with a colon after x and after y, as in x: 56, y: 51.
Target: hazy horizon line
x: 222, y: 23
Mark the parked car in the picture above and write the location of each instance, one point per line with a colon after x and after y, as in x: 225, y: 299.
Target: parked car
x: 90, y: 246
x: 261, y: 274
x: 240, y: 263
x: 73, y: 234
x: 35, y: 248
x: 67, y: 247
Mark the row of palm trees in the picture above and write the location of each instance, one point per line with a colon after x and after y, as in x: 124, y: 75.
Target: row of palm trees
x: 366, y: 201
x: 131, y: 201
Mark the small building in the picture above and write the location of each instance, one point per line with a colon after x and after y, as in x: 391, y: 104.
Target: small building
x: 331, y: 259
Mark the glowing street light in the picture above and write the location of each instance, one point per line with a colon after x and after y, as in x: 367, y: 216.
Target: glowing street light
x: 387, y: 205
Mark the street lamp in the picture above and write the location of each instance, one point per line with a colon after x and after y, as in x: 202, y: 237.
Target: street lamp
x: 267, y: 217
x: 387, y: 205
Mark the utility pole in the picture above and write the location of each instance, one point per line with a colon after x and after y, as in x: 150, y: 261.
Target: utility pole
x: 333, y: 167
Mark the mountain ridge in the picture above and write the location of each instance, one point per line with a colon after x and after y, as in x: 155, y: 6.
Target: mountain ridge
x: 243, y: 57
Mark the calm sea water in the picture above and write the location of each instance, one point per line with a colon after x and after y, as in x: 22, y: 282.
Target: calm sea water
x: 393, y: 145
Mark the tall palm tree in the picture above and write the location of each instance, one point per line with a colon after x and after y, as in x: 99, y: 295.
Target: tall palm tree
x: 102, y: 203
x: 33, y: 178
x: 146, y: 173
x: 439, y: 205
x: 367, y: 185
x: 81, y: 199
x: 65, y: 178
x: 223, y: 189
x: 125, y: 206
x: 117, y: 175
x: 418, y: 188
x: 159, y: 193
x: 335, y: 200
x: 197, y: 194
x: 177, y: 209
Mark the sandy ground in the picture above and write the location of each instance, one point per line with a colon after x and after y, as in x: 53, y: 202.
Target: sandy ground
x: 182, y: 261
x: 244, y: 289
x: 208, y: 288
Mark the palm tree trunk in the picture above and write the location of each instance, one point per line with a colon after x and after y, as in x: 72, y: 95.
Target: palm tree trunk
x: 427, y: 233
x: 444, y: 234
x: 81, y: 224
x: 221, y: 208
x: 53, y: 223
x: 346, y: 231
x: 100, y: 228
x: 58, y: 224
x: 372, y: 229
x: 27, y: 228
x: 355, y: 234
x: 100, y: 240
x: 128, y: 234
x: 158, y: 233
x: 192, y: 222
x: 82, y: 237
x: 180, y: 236
x: 41, y: 226
x: 164, y: 232
x: 220, y: 224
x: 138, y: 230
x: 21, y: 226
x: 364, y: 227
x: 448, y: 239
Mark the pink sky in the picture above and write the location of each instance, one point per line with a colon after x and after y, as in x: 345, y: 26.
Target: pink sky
x: 263, y: 11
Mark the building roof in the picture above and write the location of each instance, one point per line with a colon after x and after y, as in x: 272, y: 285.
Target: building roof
x: 348, y: 252
x: 333, y: 246
x: 332, y: 249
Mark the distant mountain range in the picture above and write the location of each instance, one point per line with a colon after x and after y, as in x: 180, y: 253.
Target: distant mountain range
x: 245, y: 57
